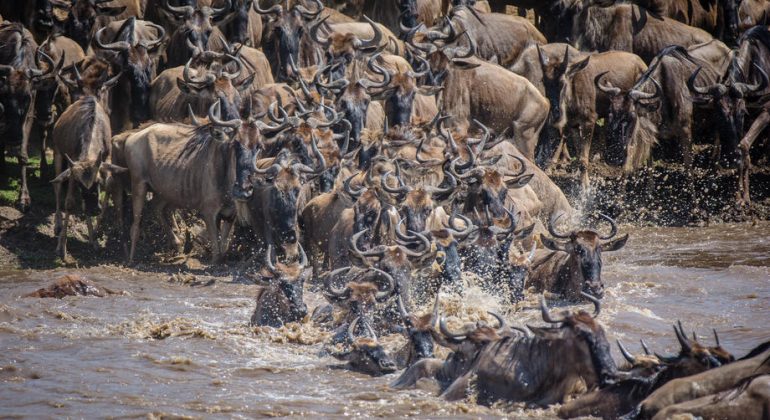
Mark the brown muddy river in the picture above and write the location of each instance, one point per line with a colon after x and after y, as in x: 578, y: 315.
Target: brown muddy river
x: 171, y: 348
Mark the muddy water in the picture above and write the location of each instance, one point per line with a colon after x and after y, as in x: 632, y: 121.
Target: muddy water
x: 175, y: 348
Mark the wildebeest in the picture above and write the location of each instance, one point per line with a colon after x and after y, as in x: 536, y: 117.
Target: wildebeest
x: 281, y: 301
x: 499, y: 37
x: 195, y: 31
x: 284, y: 34
x: 81, y: 141
x: 271, y: 213
x: 708, y: 393
x: 364, y: 353
x: 132, y: 47
x: 546, y: 368
x: 82, y: 15
x: 170, y: 95
x: 631, y: 28
x: 574, y: 266
x: 202, y: 168
x: 498, y: 98
x: 20, y: 76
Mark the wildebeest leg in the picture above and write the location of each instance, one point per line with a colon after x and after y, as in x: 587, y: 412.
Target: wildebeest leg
x: 24, y: 200
x: 585, y: 138
x: 58, y: 167
x: 170, y: 227
x: 138, y: 195
x: 744, y: 167
x: 425, y: 368
x: 212, y: 230
x: 227, y: 226
x: 61, y: 248
x: 459, y: 388
x: 91, y: 232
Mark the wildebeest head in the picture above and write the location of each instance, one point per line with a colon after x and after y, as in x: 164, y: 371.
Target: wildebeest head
x: 396, y: 260
x: 419, y: 332
x: 364, y: 353
x: 194, y: 29
x: 283, y: 33
x: 341, y: 49
x: 585, y: 256
x: 17, y: 89
x: 693, y: 357
x: 442, y: 50
x: 586, y: 336
x: 81, y: 16
x: 218, y: 84
x: 472, y: 339
x: 555, y: 80
x: 283, y: 179
x: 290, y: 280
x: 487, y: 186
x: 448, y: 241
x: 729, y: 99
x: 362, y: 289
x: 245, y: 136
x: 332, y: 146
x: 133, y: 56
x: 622, y: 120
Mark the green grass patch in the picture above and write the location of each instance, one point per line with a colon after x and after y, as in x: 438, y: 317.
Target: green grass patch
x: 10, y: 183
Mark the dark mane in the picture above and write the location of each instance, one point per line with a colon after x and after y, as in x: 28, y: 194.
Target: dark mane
x: 200, y: 140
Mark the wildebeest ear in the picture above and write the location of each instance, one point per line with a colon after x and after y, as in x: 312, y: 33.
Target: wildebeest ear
x: 115, y: 169
x: 111, y: 11
x: 62, y: 177
x: 524, y: 233
x: 552, y: 245
x: 464, y: 64
x: 519, y: 182
x: 430, y: 90
x: 245, y: 83
x: 184, y: 87
x: 578, y: 66
x: 615, y: 244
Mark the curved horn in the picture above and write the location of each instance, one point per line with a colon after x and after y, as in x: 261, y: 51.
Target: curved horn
x: 608, y: 89
x: 744, y: 88
x: 507, y: 231
x: 321, y: 165
x: 352, y: 328
x: 308, y: 14
x: 376, y: 40
x: 553, y: 232
x: 644, y: 347
x: 207, y: 80
x: 445, y: 331
x: 178, y: 10
x: 682, y: 338
x: 696, y: 89
x: 453, y: 229
x: 325, y: 43
x: 214, y: 110
x: 390, y: 284
x: 716, y: 337
x: 499, y: 318
x: 191, y: 115
x: 426, y: 245
x: 218, y: 12
x: 343, y: 293
x: 269, y: 259
x: 613, y: 227
x: 161, y: 32
x: 377, y: 252
x: 275, y: 10
x: 349, y: 189
x: 595, y: 301
x: 546, y: 314
x: 239, y: 65
x: 631, y: 359
x: 399, y: 190
x: 639, y: 95
x: 114, y: 46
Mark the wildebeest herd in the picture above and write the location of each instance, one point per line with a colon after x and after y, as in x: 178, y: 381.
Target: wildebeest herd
x: 384, y: 151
